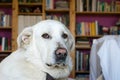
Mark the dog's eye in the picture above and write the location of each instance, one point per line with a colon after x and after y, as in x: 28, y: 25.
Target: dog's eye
x: 46, y: 36
x: 64, y: 35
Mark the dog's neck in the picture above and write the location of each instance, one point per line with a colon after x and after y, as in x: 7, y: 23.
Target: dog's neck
x: 49, y: 77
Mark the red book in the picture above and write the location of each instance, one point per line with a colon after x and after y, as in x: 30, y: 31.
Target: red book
x: 0, y: 43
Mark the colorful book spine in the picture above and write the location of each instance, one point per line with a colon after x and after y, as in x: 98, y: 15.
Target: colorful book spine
x: 5, y: 44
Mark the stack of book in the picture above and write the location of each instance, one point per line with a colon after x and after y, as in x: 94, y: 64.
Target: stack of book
x: 83, y: 43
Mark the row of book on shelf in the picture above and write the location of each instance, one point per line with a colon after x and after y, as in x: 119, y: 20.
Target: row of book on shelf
x: 82, y: 60
x: 98, y: 5
x: 5, y: 43
x: 32, y: 9
x: 26, y: 21
x: 5, y: 19
x: 93, y: 29
x: 62, y: 18
x: 58, y: 4
x: 88, y: 28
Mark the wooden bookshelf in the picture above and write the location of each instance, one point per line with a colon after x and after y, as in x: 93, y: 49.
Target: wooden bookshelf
x: 83, y: 72
x: 96, y: 36
x: 79, y: 47
x: 6, y: 28
x: 23, y: 13
x: 7, y: 51
x: 98, y: 13
x: 57, y: 10
x: 13, y: 29
x: 4, y: 54
x: 5, y: 4
x: 88, y: 15
x: 30, y: 4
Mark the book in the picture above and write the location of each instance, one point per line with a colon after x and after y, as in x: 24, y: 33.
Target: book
x: 117, y: 6
x: 0, y: 43
x: 114, y: 30
x: 82, y: 60
x: 49, y: 4
x: 5, y: 19
x: 77, y: 60
x: 62, y: 4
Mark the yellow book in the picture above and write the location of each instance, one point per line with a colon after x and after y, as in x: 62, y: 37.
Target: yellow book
x: 93, y: 29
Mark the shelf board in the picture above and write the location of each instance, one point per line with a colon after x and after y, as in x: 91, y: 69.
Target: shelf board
x: 1, y: 27
x: 98, y: 13
x: 81, y: 47
x: 5, y: 4
x: 7, y: 51
x: 21, y: 13
x: 57, y: 10
x: 87, y: 72
x: 89, y: 36
x: 30, y: 4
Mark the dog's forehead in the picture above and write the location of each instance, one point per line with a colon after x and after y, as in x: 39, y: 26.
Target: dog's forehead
x: 50, y: 26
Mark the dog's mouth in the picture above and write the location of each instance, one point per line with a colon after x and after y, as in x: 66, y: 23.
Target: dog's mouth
x: 57, y: 65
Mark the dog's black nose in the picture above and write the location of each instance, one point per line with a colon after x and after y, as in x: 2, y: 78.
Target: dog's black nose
x: 60, y: 54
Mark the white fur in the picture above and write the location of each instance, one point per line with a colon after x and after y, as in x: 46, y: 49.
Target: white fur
x: 28, y: 62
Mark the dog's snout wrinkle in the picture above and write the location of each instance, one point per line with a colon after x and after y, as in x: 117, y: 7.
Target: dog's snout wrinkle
x: 59, y: 44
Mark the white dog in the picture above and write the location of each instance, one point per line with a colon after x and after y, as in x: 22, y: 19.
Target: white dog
x: 43, y: 51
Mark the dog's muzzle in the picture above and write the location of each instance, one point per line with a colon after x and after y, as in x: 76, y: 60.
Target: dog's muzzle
x: 60, y: 55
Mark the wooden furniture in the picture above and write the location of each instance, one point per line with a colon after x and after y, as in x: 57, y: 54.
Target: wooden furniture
x: 73, y: 15
x: 6, y: 29
x: 99, y: 13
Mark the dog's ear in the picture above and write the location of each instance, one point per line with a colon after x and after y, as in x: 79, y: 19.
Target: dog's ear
x: 24, y: 37
x: 71, y: 41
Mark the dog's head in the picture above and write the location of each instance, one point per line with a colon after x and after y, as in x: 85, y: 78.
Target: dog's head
x: 50, y: 42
